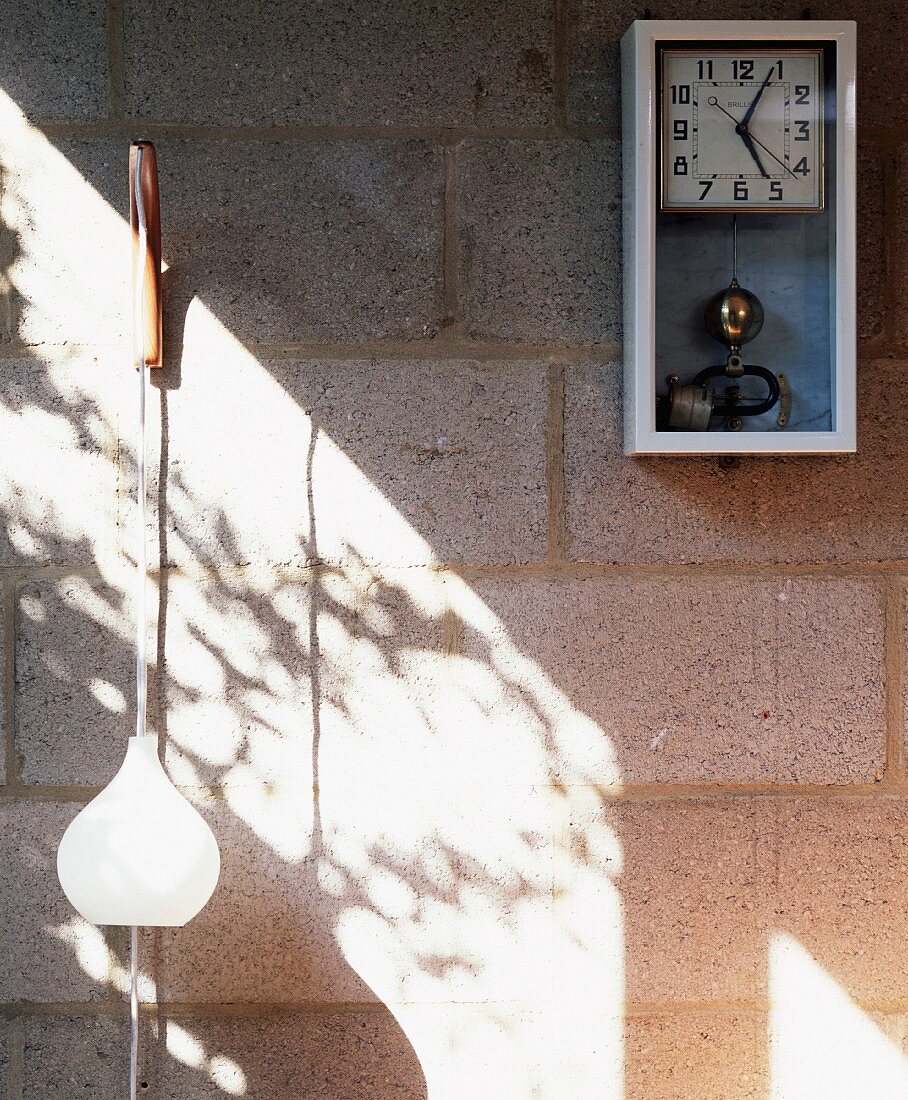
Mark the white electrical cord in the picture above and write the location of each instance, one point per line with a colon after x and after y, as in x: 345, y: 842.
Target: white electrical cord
x: 141, y: 611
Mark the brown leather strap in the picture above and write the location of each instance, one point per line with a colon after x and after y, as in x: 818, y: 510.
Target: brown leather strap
x: 147, y: 340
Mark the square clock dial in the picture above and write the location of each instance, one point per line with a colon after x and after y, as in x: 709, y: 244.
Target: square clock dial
x: 742, y: 129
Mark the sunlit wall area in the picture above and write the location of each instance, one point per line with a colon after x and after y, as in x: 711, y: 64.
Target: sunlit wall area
x: 538, y: 773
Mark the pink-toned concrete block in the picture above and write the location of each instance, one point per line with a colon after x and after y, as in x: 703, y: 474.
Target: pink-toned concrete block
x: 673, y: 510
x: 639, y: 679
x: 724, y: 899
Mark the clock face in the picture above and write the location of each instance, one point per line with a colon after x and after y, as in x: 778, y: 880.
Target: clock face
x: 742, y: 130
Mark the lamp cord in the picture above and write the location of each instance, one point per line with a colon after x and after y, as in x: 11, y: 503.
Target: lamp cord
x: 141, y: 608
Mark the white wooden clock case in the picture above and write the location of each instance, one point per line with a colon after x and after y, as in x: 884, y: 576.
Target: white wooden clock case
x: 640, y: 81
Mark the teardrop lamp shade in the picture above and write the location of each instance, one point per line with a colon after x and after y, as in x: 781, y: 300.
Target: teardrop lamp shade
x: 139, y: 853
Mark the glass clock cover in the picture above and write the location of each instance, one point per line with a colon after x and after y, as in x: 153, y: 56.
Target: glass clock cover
x: 742, y: 129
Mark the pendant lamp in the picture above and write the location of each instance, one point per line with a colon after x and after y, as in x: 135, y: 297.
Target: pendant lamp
x: 139, y: 853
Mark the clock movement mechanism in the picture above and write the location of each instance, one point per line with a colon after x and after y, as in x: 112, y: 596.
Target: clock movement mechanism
x: 733, y: 316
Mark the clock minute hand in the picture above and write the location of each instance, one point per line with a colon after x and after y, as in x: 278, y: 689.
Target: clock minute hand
x: 749, y: 114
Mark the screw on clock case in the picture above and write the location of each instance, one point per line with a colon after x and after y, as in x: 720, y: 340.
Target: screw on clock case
x: 798, y: 266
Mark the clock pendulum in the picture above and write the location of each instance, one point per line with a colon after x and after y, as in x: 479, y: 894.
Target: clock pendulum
x: 734, y: 317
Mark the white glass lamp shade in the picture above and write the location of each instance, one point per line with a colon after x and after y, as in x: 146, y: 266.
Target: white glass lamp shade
x: 139, y: 853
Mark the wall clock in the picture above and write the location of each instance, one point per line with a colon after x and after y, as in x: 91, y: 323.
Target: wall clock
x: 739, y: 215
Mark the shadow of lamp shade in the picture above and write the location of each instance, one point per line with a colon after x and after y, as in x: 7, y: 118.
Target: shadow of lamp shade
x: 139, y: 853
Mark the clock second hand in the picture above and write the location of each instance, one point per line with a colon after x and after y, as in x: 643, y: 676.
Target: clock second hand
x: 773, y: 155
x: 713, y: 102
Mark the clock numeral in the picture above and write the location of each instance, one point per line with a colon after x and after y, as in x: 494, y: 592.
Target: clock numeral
x: 705, y: 70
x: 707, y: 187
x: 801, y: 167
x: 775, y: 191
x: 802, y: 92
x: 743, y: 70
x: 779, y: 67
x: 803, y: 133
x: 741, y: 191
x: 680, y: 93
x: 680, y: 129
x: 680, y: 166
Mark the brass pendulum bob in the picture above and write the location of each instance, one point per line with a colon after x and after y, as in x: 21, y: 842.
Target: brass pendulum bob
x: 734, y: 316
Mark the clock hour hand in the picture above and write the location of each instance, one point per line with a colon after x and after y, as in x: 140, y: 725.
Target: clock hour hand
x: 742, y: 133
x: 749, y: 113
x: 774, y: 157
x: 746, y: 138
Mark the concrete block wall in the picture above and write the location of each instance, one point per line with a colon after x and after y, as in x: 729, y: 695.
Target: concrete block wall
x: 538, y: 772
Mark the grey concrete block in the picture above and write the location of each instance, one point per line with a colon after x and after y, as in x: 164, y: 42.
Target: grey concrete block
x: 399, y: 462
x: 58, y: 481
x: 66, y: 236
x: 233, y: 673
x: 75, y: 681
x: 594, y: 36
x: 4, y: 1057
x: 675, y: 509
x: 267, y: 934
x: 47, y: 953
x: 308, y: 904
x: 68, y: 1056
x: 344, y: 1055
x: 53, y: 60
x: 303, y: 240
x: 691, y: 680
x: 540, y: 232
x: 457, y: 450
x: 359, y: 64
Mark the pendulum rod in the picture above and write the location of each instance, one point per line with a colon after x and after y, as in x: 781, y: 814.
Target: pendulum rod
x: 734, y: 248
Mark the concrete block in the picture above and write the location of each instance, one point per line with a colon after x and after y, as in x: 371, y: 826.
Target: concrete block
x: 47, y: 952
x: 267, y: 934
x: 66, y: 240
x: 883, y: 100
x: 229, y: 684
x: 331, y: 240
x: 871, y: 242
x: 673, y: 509
x: 594, y: 36
x: 540, y: 232
x: 356, y: 904
x: 402, y: 462
x: 68, y: 1056
x: 75, y: 681
x: 4, y: 1057
x: 363, y: 258
x: 896, y: 247
x: 747, y: 898
x: 360, y: 65
x: 344, y: 1055
x: 642, y: 680
x: 713, y: 1056
x: 53, y: 63
x: 58, y: 481
x: 236, y: 664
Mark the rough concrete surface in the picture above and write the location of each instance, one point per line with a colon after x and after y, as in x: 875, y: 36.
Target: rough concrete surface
x: 538, y: 772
